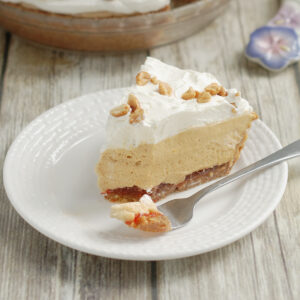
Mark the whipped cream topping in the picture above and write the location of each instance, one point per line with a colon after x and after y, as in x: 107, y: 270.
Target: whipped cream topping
x: 166, y: 116
x: 87, y: 6
x: 127, y: 211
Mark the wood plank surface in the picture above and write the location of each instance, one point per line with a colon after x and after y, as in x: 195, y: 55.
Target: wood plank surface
x: 33, y: 266
x: 262, y: 265
x: 3, y: 53
x: 2, y: 45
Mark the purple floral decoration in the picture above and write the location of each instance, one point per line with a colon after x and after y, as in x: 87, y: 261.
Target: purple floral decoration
x: 276, y: 45
x: 288, y: 16
x: 273, y: 47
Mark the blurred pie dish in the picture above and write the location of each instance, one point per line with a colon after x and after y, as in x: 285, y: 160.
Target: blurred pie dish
x: 97, y: 8
x: 107, y: 25
x: 174, y: 129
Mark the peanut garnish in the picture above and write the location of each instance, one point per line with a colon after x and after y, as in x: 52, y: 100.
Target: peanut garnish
x: 164, y: 89
x: 154, y: 80
x: 222, y: 92
x: 203, y: 97
x: 142, y: 78
x: 213, y: 89
x: 189, y: 94
x: 120, y: 110
x: 136, y: 116
x: 237, y: 94
x: 133, y: 102
x: 233, y: 110
x: 254, y: 116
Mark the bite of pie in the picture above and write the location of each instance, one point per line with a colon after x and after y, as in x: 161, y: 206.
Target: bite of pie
x: 142, y: 215
x: 174, y: 129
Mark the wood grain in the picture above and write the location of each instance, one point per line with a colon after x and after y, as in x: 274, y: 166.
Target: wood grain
x: 3, y: 54
x: 263, y: 265
x: 2, y: 45
x: 277, y: 247
x: 32, y: 266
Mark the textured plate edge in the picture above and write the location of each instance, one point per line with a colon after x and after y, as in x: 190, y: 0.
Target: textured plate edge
x: 243, y: 233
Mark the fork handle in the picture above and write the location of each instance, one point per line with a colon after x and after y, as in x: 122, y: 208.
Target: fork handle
x: 290, y: 151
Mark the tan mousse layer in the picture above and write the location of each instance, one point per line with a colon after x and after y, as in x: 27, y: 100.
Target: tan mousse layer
x: 133, y: 194
x: 172, y: 159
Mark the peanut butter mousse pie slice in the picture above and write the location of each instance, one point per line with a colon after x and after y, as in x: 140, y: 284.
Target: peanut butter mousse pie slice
x: 174, y: 129
x: 142, y: 215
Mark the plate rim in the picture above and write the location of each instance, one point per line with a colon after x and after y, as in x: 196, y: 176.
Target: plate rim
x: 57, y: 238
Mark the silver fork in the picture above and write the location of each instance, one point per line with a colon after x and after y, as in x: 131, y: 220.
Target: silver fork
x: 180, y: 211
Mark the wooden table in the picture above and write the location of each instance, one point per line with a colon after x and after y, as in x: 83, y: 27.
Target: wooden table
x: 263, y: 265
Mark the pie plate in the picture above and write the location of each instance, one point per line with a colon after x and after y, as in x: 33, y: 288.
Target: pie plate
x: 49, y: 177
x: 127, y: 33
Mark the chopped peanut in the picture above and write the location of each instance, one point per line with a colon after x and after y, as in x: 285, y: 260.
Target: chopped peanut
x: 120, y: 110
x: 164, y: 88
x: 233, y: 110
x: 237, y: 94
x: 133, y: 102
x: 154, y: 80
x: 203, y: 97
x: 189, y: 94
x: 254, y: 116
x: 222, y: 92
x: 213, y: 89
x: 142, y: 78
x: 136, y: 116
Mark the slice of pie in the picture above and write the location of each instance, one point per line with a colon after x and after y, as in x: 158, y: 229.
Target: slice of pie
x: 173, y: 130
x: 141, y: 215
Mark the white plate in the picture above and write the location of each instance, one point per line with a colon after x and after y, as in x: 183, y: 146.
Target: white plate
x: 50, y: 180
